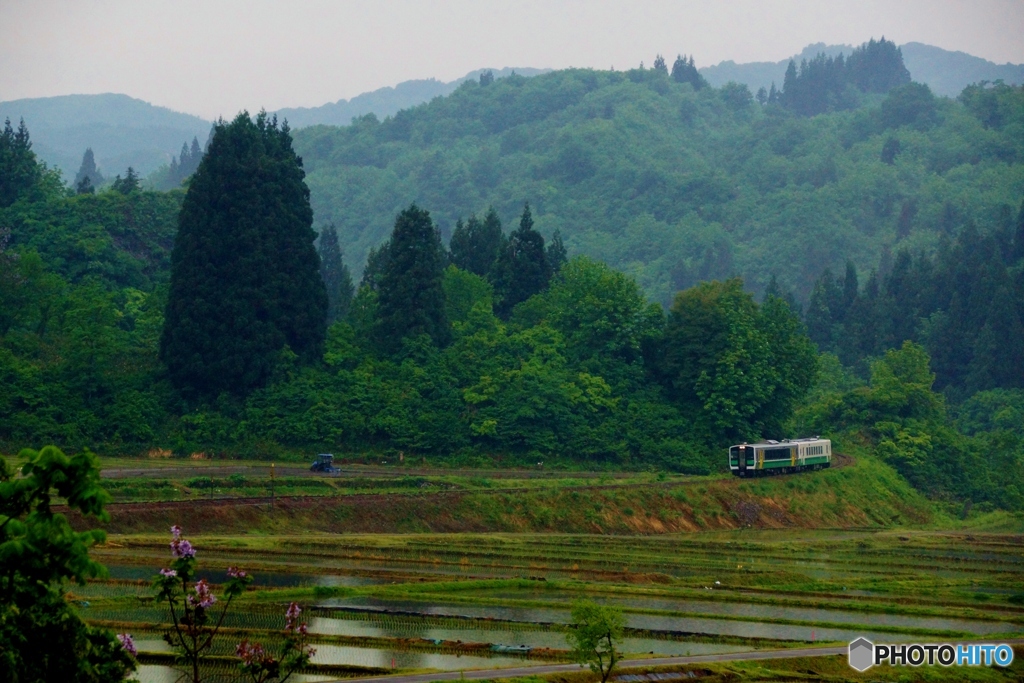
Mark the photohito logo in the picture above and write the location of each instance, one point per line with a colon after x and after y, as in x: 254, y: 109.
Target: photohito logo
x: 864, y: 654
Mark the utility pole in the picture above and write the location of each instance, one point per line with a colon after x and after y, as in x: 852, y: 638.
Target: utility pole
x: 271, y: 486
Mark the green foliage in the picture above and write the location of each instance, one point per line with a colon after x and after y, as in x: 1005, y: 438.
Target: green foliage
x: 120, y: 240
x: 244, y: 274
x: 826, y: 84
x: 907, y: 423
x: 41, y: 637
x: 410, y: 295
x: 19, y: 173
x: 463, y: 292
x: 664, y: 181
x: 521, y: 268
x: 336, y: 276
x: 128, y: 184
x: 739, y: 367
x: 964, y: 305
x: 592, y: 634
x: 474, y: 245
x: 88, y: 177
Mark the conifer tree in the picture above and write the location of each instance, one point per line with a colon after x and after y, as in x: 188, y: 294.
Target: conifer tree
x: 335, y: 274
x: 88, y: 171
x: 84, y: 186
x: 521, y: 269
x: 376, y: 261
x: 19, y: 171
x: 245, y: 282
x: 556, y: 253
x: 474, y: 244
x: 684, y: 71
x: 410, y: 294
x: 660, y: 66
x: 1018, y: 235
x: 128, y: 184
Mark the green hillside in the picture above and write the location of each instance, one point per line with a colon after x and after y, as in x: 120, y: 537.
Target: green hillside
x: 123, y: 131
x: 673, y: 185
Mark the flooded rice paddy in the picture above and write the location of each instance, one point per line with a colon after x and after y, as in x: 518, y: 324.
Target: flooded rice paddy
x: 435, y: 602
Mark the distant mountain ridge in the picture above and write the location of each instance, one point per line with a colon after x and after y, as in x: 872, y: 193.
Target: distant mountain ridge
x: 947, y: 73
x: 121, y: 130
x: 124, y: 131
x: 387, y: 101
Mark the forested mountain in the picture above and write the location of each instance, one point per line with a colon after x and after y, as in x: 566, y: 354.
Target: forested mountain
x: 675, y: 186
x: 122, y: 131
x: 509, y: 353
x: 944, y: 71
x: 388, y: 101
x: 947, y: 72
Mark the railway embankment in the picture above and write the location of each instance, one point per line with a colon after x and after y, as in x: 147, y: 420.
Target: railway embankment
x: 863, y: 493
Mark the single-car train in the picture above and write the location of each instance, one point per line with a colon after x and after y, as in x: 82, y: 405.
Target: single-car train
x: 779, y: 457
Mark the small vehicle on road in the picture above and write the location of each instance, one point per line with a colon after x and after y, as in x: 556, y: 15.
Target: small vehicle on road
x: 324, y: 463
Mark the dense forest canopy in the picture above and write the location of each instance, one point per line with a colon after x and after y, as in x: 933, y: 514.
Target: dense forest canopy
x: 675, y: 185
x: 629, y: 344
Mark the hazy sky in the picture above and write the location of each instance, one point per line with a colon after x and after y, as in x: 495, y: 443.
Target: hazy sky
x: 214, y: 58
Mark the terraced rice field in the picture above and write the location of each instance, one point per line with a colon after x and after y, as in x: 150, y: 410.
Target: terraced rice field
x: 457, y: 602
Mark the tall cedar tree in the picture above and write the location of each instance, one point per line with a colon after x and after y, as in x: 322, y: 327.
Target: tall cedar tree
x: 684, y: 71
x: 336, y: 276
x: 474, y: 245
x: 557, y: 254
x: 410, y: 295
x: 521, y: 269
x: 19, y: 171
x: 245, y: 279
x: 88, y: 177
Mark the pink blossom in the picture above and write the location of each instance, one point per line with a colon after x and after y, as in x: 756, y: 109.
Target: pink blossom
x: 302, y: 629
x: 236, y: 573
x: 168, y: 572
x: 252, y: 653
x: 127, y: 643
x: 291, y: 616
x: 176, y: 532
x: 204, y: 597
x: 182, y: 548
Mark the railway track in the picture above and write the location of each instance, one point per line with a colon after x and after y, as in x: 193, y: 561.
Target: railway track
x: 840, y: 460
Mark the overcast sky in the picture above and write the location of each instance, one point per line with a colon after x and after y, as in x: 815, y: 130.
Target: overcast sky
x: 214, y: 58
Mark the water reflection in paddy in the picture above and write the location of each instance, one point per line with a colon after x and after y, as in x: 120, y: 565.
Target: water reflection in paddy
x: 755, y: 610
x: 365, y: 656
x: 749, y: 629
x: 262, y: 579
x: 510, y: 636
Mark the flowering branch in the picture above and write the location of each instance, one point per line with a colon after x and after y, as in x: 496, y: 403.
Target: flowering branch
x: 190, y: 602
x: 295, y: 653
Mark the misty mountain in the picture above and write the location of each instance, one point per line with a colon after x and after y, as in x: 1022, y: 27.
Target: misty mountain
x: 946, y: 72
x: 124, y: 131
x: 387, y: 101
x: 121, y: 130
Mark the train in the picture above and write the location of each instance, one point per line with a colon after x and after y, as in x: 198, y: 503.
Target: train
x: 780, y: 457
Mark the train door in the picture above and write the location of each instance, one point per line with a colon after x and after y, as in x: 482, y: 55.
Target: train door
x: 742, y: 459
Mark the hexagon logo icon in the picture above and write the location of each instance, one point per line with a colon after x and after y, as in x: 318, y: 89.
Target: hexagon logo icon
x: 862, y: 654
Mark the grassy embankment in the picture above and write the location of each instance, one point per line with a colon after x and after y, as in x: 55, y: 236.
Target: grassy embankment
x: 865, y: 494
